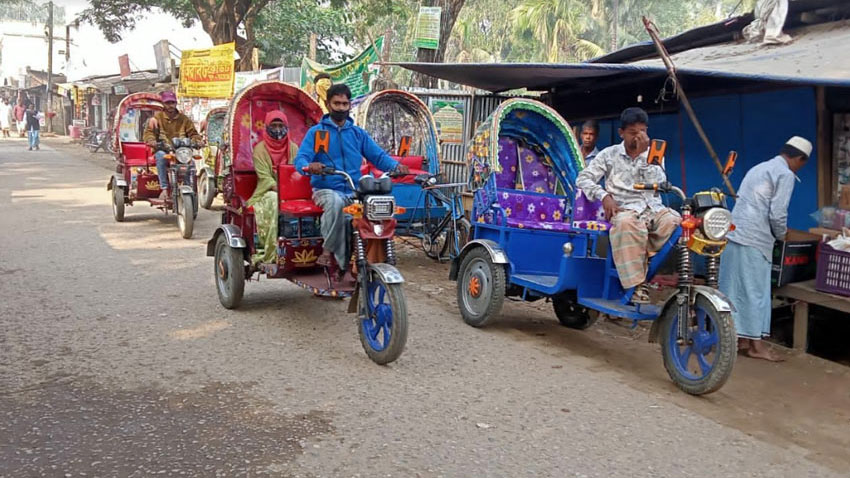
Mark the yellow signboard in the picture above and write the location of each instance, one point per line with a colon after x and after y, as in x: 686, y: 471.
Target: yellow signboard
x: 208, y: 73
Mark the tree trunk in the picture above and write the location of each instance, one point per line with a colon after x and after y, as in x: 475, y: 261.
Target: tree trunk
x: 221, y: 22
x: 451, y: 9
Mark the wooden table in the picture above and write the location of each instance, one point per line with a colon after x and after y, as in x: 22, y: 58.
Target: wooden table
x: 805, y: 294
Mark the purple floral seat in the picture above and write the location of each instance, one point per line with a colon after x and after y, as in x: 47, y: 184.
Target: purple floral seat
x: 589, y: 215
x: 506, y: 179
x: 530, y: 211
x: 534, y: 175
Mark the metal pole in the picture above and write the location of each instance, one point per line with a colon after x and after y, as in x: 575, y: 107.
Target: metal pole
x: 49, y: 66
x: 671, y: 69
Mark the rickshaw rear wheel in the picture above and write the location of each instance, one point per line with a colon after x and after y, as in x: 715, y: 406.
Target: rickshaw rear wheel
x: 186, y: 215
x: 207, y: 190
x: 704, y: 362
x: 229, y: 270
x: 570, y: 313
x: 118, y: 203
x: 480, y: 288
x: 384, y: 333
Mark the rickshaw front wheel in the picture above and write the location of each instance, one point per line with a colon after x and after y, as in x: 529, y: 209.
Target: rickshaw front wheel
x: 118, y: 203
x: 480, y: 288
x: 570, y: 313
x: 229, y: 270
x: 703, y: 361
x: 186, y: 215
x: 383, y: 333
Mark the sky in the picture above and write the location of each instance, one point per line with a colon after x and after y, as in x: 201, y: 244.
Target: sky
x: 101, y: 57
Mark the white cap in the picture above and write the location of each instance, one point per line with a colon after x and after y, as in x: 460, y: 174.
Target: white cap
x: 802, y: 144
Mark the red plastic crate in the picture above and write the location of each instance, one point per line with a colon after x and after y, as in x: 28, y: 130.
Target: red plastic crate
x: 833, y: 271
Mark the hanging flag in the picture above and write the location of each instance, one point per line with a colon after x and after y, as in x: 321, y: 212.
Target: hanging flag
x: 354, y: 73
x: 208, y: 73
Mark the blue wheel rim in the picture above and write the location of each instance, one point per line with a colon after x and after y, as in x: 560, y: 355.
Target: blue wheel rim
x: 697, y: 357
x: 377, y: 327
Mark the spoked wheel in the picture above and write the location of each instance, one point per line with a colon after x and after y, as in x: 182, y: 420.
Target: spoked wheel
x: 118, y: 203
x: 480, y: 288
x: 229, y: 273
x: 704, y: 361
x: 570, y: 313
x: 207, y: 190
x: 463, y: 231
x: 432, y: 247
x: 185, y: 214
x: 384, y: 332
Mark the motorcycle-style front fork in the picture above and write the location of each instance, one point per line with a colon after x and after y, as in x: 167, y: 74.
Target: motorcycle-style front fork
x: 684, y: 267
x: 362, y: 261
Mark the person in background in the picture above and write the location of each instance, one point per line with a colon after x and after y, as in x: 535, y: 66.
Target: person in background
x: 323, y: 83
x: 760, y: 218
x: 19, y: 113
x: 163, y: 126
x: 5, y: 116
x: 33, y: 127
x: 589, y: 136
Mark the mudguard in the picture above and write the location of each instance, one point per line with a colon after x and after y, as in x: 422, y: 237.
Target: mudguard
x: 717, y: 299
x: 116, y: 181
x: 497, y: 254
x: 184, y: 189
x: 388, y: 273
x: 233, y: 235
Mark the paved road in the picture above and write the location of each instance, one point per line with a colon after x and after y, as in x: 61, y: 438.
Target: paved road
x: 117, y: 360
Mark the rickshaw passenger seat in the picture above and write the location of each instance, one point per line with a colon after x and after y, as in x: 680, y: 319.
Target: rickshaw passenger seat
x: 413, y: 162
x: 136, y: 154
x: 295, y: 193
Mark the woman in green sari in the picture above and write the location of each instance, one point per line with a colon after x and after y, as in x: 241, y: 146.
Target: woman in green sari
x: 275, y: 149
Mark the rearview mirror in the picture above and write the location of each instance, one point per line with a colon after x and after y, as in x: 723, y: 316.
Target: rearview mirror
x: 657, y: 148
x: 730, y: 163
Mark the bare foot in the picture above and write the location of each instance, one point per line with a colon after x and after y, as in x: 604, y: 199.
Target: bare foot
x: 324, y: 259
x: 759, y: 350
x: 743, y: 345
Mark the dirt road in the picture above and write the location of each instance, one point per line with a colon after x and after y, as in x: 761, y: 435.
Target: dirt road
x: 116, y: 359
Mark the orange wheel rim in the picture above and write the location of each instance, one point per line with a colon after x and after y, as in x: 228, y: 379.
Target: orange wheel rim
x: 474, y: 287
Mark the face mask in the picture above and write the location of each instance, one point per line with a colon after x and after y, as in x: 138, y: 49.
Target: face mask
x: 339, y: 115
x: 276, y: 132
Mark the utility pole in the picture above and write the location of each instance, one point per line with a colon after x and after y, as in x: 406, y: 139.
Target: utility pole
x: 49, y: 66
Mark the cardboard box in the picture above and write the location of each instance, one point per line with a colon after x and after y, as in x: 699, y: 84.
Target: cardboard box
x: 795, y: 258
x: 844, y: 198
x: 822, y: 231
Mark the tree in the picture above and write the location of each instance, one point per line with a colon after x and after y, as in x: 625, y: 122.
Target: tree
x: 450, y: 12
x: 224, y: 20
x: 557, y: 25
x: 284, y: 28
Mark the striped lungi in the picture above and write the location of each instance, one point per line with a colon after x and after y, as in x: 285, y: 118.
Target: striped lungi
x: 634, y: 235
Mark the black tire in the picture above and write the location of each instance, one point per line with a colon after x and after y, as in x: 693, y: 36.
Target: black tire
x: 723, y: 354
x: 570, y: 313
x: 206, y: 190
x: 229, y: 270
x: 464, y: 230
x: 117, y: 203
x: 480, y: 288
x: 398, y: 332
x: 185, y: 215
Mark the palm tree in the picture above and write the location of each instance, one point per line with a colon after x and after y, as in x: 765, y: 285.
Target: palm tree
x: 557, y: 25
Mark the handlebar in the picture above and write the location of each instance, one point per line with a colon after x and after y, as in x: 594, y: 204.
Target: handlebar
x: 665, y: 187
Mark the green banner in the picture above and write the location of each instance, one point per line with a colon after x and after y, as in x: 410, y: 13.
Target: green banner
x: 428, y: 28
x: 354, y: 73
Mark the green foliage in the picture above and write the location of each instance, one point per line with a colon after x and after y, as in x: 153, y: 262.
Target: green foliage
x: 29, y: 11
x: 284, y: 27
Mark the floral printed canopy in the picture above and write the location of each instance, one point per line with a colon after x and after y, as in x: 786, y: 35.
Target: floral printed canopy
x: 248, y: 111
x: 540, y: 132
x: 389, y: 115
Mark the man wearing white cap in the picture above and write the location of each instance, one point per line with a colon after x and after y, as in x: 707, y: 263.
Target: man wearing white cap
x: 760, y: 217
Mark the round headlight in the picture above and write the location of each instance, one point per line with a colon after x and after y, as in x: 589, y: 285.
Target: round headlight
x: 716, y: 223
x: 184, y: 155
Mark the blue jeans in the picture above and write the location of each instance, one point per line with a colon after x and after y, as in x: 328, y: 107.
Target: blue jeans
x: 32, y: 136
x: 162, y: 171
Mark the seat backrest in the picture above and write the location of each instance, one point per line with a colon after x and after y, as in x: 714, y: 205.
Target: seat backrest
x: 292, y: 184
x: 534, y: 174
x: 135, y: 154
x: 587, y: 210
x: 245, y: 184
x: 506, y: 179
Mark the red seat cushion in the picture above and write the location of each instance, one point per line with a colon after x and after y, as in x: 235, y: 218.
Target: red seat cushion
x: 245, y: 184
x: 300, y: 208
x: 136, y: 154
x: 412, y: 162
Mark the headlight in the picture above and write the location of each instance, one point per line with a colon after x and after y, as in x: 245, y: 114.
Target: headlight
x: 379, y: 208
x: 716, y: 223
x: 184, y: 155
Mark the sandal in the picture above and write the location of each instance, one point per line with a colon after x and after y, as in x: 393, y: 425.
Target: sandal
x: 641, y: 294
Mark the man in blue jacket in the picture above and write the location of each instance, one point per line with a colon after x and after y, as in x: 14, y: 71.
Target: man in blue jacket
x: 337, y: 143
